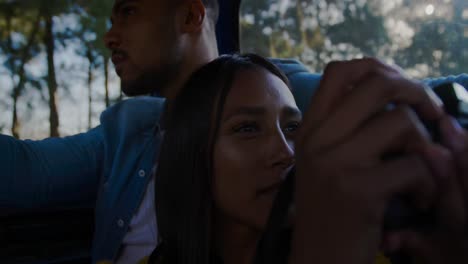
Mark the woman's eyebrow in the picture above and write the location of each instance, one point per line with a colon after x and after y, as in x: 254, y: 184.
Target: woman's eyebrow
x: 246, y: 110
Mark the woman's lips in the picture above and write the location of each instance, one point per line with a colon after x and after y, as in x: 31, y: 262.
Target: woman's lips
x: 269, y: 189
x: 274, y: 186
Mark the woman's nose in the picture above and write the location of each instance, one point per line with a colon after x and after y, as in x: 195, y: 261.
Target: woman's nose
x: 281, y: 151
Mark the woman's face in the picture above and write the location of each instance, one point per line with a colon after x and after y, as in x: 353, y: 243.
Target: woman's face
x: 254, y: 149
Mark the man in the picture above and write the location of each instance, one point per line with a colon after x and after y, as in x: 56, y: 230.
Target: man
x: 156, y: 45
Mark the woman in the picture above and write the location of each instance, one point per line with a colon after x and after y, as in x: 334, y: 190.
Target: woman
x: 236, y: 118
x: 228, y: 147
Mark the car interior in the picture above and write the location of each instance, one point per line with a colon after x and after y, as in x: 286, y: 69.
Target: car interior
x: 64, y: 235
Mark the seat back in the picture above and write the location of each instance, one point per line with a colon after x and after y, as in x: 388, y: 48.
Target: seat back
x: 304, y: 83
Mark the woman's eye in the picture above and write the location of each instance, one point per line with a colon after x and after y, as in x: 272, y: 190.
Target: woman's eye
x: 292, y: 127
x: 246, y: 128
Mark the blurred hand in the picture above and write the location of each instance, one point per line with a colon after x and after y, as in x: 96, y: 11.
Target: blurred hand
x: 449, y: 242
x: 342, y: 183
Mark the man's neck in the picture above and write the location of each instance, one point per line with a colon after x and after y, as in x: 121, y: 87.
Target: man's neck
x: 173, y: 88
x: 204, y: 50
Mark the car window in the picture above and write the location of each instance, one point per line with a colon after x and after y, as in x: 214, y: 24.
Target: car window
x: 37, y: 101
x: 426, y: 38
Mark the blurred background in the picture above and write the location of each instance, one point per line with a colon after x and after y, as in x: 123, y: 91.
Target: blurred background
x: 56, y: 76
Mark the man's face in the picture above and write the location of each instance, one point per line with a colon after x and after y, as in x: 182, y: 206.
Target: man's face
x: 143, y: 41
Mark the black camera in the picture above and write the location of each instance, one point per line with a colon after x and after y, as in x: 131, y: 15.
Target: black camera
x: 275, y: 243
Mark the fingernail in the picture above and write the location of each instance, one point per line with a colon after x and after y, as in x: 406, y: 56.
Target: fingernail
x: 452, y: 132
x: 440, y: 161
x: 454, y: 125
x: 434, y: 97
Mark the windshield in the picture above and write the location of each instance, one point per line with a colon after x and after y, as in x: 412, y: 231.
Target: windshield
x: 426, y: 38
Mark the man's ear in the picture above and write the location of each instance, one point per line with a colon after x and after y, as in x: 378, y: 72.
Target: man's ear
x: 194, y: 16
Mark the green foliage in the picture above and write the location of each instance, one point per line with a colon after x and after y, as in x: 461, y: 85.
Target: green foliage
x: 361, y: 28
x: 313, y: 31
x: 19, y: 38
x: 440, y: 44
x: 318, y: 31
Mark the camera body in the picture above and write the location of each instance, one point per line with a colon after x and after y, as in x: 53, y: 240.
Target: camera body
x: 399, y: 215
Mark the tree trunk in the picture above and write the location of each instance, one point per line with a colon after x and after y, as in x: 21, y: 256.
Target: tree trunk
x: 15, y: 124
x: 300, y: 21
x: 90, y: 88
x: 273, y: 52
x: 106, y: 80
x: 51, y: 78
x: 19, y: 70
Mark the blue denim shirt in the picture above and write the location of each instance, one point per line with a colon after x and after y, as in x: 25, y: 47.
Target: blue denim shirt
x: 108, y: 167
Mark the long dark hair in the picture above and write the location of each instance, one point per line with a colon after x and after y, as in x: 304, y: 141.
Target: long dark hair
x: 183, y: 191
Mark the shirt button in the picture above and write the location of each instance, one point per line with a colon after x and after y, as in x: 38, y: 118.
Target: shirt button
x: 142, y: 173
x: 120, y: 223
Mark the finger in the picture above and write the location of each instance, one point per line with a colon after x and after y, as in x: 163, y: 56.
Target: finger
x: 337, y: 79
x: 389, y: 136
x: 450, y: 206
x: 456, y: 139
x: 405, y: 175
x: 399, y: 131
x: 440, y: 160
x: 446, y: 194
x: 395, y: 131
x: 454, y: 201
x: 372, y: 96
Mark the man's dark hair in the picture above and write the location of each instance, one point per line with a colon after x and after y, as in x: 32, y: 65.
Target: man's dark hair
x: 212, y: 7
x: 183, y: 182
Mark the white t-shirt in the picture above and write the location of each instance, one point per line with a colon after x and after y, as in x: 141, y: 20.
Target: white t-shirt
x: 142, y: 236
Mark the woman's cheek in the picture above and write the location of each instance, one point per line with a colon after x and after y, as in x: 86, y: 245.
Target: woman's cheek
x: 234, y: 177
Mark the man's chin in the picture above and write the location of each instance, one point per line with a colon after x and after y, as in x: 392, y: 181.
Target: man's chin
x: 134, y: 88
x: 151, y: 82
x: 142, y: 85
